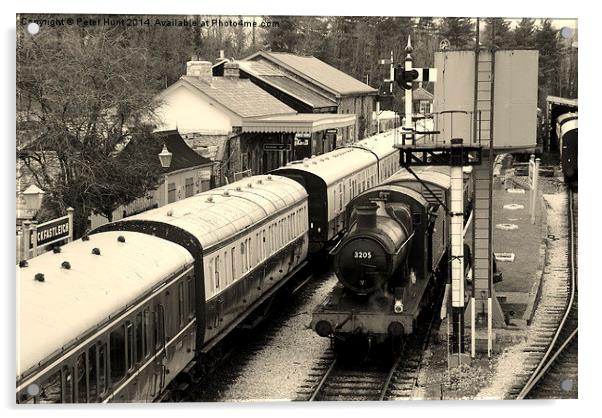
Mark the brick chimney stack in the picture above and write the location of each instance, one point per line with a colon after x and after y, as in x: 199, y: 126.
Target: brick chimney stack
x: 231, y: 69
x: 202, y: 69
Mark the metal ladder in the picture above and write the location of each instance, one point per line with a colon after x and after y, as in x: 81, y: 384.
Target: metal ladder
x: 483, y: 194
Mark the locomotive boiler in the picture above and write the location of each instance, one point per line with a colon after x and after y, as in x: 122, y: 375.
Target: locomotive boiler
x: 391, y: 262
x: 375, y: 247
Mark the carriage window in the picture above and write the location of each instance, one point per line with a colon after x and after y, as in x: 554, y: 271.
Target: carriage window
x: 117, y: 344
x: 161, y: 326
x: 82, y: 385
x: 190, y: 284
x: 293, y: 225
x: 139, y: 338
x: 250, y: 253
x: 129, y: 328
x: 217, y: 265
x: 102, y: 367
x: 233, y: 261
x: 181, y: 303
x: 92, y: 373
x: 68, y: 384
x: 243, y: 254
x: 147, y: 331
x: 51, y: 389
x: 227, y: 274
x: 257, y: 249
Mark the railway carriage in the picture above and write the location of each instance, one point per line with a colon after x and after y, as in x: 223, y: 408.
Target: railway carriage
x: 212, y: 258
x: 101, y: 322
x: 335, y: 178
x: 567, y: 133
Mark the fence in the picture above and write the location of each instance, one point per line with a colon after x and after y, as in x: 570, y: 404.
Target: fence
x: 33, y: 237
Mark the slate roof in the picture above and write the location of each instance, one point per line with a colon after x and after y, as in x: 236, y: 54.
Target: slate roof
x: 149, y: 147
x: 240, y: 96
x: 422, y: 94
x: 315, y: 70
x: 270, y: 74
x: 298, y: 91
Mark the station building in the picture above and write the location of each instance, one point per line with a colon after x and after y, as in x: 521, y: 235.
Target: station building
x: 310, y: 85
x: 239, y: 126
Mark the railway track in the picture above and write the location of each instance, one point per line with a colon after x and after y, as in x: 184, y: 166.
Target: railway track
x: 553, y: 356
x: 333, y: 379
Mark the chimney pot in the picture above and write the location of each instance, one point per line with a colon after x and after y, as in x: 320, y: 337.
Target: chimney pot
x: 200, y: 69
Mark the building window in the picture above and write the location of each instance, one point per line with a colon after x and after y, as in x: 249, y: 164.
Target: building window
x: 171, y: 192
x: 189, y: 187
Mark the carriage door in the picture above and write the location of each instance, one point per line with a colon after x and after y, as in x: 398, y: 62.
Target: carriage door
x: 160, y: 349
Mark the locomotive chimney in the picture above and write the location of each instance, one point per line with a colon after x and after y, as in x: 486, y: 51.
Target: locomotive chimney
x: 366, y: 216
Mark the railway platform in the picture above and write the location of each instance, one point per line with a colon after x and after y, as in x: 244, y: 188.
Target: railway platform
x: 519, y: 293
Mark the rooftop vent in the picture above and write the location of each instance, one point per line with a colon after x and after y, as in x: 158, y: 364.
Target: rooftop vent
x: 260, y: 181
x: 86, y: 237
x: 56, y: 250
x: 96, y: 251
x: 66, y: 265
x: 210, y: 199
x: 121, y: 238
x: 23, y: 263
x: 238, y: 188
x: 269, y: 177
x: 249, y: 185
x: 226, y: 193
x: 39, y: 277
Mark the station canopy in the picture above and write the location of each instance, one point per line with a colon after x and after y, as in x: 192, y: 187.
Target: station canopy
x: 301, y: 123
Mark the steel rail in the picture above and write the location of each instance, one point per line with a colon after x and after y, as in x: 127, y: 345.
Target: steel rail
x: 551, y: 355
x: 322, y: 381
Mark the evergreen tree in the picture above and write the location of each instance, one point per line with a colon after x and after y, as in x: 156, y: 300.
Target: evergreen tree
x: 546, y: 41
x: 503, y: 33
x: 524, y: 33
x: 285, y: 37
x: 459, y: 31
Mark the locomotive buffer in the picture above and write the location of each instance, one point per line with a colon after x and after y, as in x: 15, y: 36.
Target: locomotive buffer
x: 454, y: 154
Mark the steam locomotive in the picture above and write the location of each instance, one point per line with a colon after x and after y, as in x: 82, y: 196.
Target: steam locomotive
x: 389, y: 262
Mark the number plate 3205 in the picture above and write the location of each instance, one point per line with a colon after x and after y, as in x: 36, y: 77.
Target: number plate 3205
x: 363, y: 255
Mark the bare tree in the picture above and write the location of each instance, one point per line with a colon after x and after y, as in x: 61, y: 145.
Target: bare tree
x: 81, y: 96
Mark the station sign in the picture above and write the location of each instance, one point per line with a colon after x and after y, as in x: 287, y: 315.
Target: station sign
x: 276, y: 147
x: 51, y: 232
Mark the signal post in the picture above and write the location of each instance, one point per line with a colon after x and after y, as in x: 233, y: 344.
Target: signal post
x: 456, y: 155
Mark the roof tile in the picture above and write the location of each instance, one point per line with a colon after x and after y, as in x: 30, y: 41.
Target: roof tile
x: 240, y: 96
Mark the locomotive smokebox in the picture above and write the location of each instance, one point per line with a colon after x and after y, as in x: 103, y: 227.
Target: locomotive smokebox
x: 376, y: 245
x: 366, y: 216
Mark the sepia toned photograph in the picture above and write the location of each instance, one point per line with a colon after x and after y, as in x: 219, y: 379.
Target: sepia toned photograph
x: 235, y: 208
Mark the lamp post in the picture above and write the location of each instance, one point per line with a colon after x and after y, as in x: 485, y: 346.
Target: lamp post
x: 165, y: 159
x: 33, y: 196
